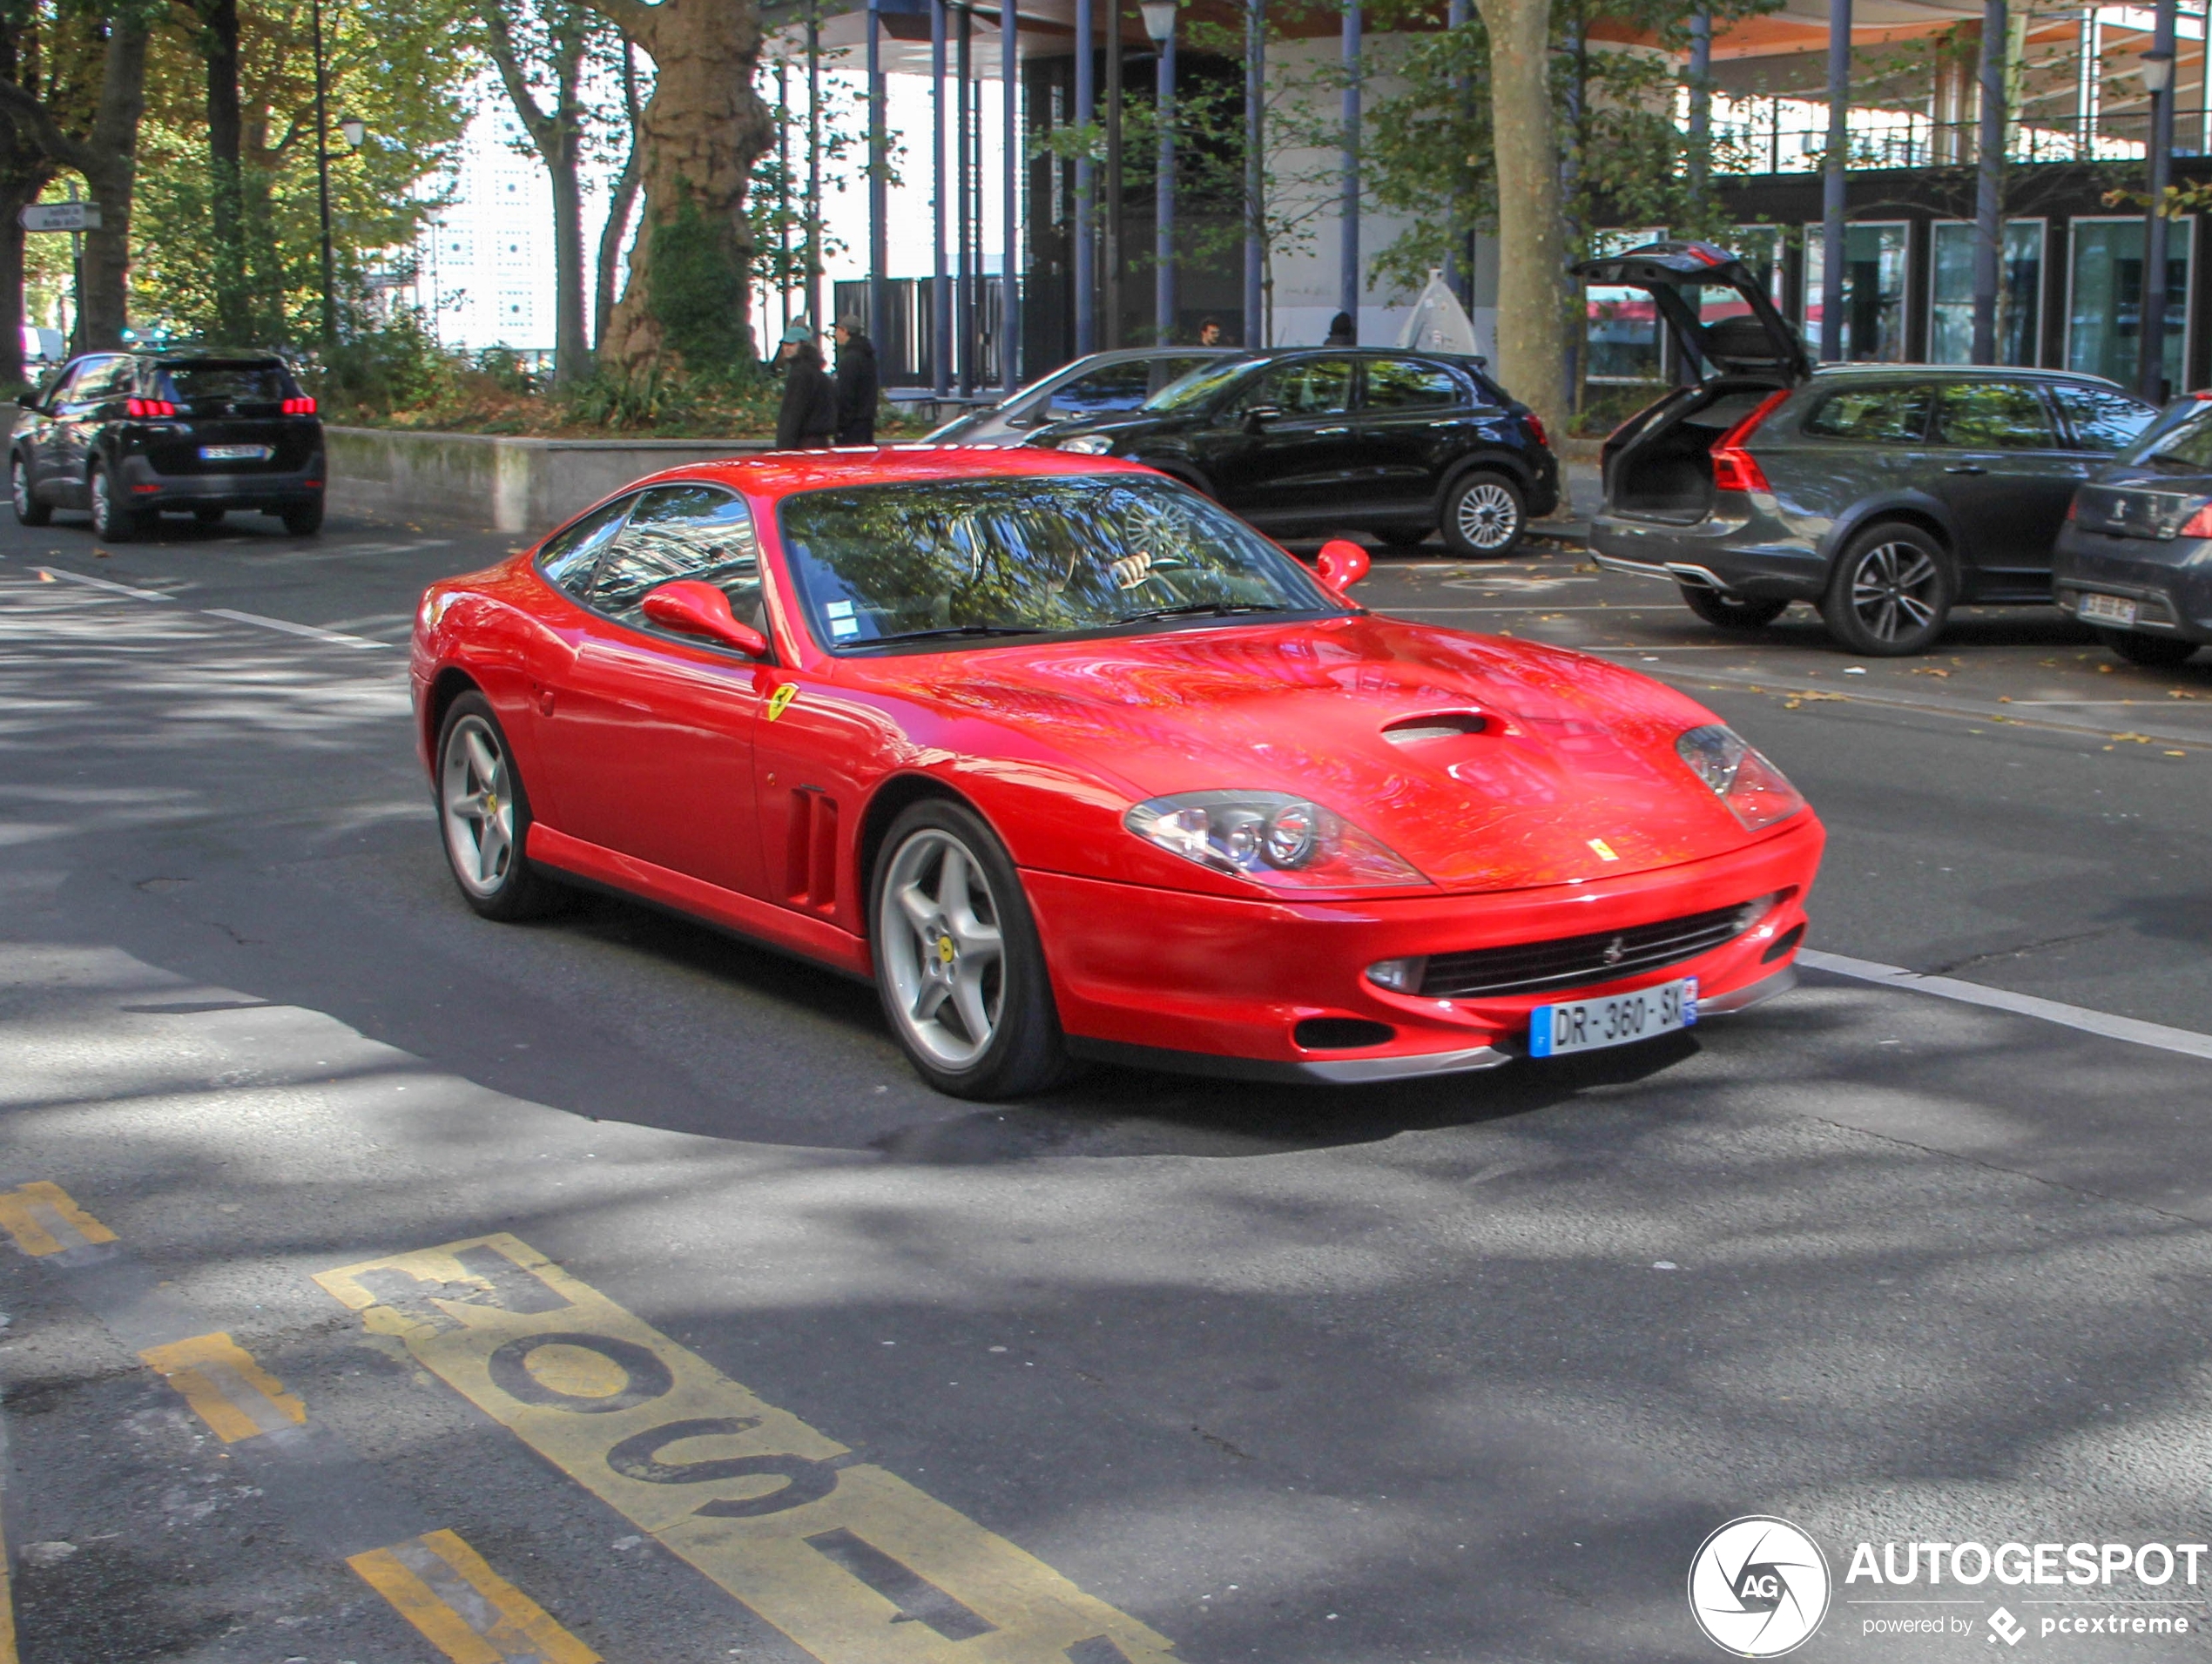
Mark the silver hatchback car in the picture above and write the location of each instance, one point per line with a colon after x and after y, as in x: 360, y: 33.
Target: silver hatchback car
x: 1884, y: 494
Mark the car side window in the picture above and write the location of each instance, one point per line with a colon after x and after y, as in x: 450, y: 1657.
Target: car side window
x: 683, y: 531
x: 1306, y: 387
x: 1402, y: 384
x: 571, y: 555
x: 1117, y: 386
x: 1165, y: 371
x: 1893, y: 415
x: 98, y: 379
x: 2101, y: 419
x: 57, y: 389
x: 1993, y: 417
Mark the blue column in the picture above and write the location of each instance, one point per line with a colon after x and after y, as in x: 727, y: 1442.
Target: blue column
x: 1700, y: 103
x: 878, y: 216
x: 1255, y: 173
x: 1831, y: 184
x: 1459, y: 255
x: 1010, y: 317
x: 1348, y: 207
x: 1084, y: 259
x: 940, y: 291
x: 2157, y: 63
x: 1989, y: 180
x: 1163, y: 299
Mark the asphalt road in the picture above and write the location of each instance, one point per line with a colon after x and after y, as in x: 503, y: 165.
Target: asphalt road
x: 1154, y: 1367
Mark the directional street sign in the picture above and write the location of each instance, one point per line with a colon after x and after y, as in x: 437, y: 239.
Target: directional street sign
x: 62, y: 216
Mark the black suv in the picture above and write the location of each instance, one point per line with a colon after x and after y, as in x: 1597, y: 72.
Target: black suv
x: 129, y: 435
x: 1323, y: 439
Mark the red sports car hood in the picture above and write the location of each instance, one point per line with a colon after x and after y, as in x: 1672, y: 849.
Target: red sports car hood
x: 1570, y: 770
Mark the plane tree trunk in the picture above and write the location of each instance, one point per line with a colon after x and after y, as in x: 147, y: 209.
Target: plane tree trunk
x: 1531, y: 244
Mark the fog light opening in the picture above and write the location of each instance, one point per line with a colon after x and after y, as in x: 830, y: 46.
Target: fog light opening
x: 1341, y: 1033
x: 1788, y: 942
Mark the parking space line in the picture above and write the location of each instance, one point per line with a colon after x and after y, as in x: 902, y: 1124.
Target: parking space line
x: 51, y: 573
x: 233, y: 1395
x: 336, y: 637
x: 464, y: 1608
x: 44, y: 1220
x: 849, y: 1560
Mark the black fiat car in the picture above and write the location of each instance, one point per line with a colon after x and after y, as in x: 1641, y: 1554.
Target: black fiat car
x: 1303, y: 442
x: 129, y: 435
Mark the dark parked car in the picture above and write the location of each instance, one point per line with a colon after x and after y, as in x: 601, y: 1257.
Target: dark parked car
x: 1314, y: 441
x: 131, y: 434
x: 1884, y: 492
x: 2135, y: 558
x: 1099, y: 385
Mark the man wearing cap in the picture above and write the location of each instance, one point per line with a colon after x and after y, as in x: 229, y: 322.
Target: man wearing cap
x: 856, y: 384
x: 807, y: 418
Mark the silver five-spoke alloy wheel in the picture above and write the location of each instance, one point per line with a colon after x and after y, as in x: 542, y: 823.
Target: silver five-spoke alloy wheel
x: 1488, y: 516
x: 1895, y: 588
x: 937, y: 928
x: 478, y: 803
x: 19, y: 487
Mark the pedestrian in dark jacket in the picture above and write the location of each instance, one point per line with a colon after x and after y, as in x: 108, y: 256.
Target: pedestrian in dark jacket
x: 1342, y: 331
x: 856, y: 384
x: 807, y: 418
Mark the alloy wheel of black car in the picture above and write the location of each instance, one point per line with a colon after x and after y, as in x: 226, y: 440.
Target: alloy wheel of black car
x: 1484, y: 517
x: 116, y: 521
x: 1730, y: 612
x: 2153, y: 653
x: 29, y: 509
x: 1891, y: 592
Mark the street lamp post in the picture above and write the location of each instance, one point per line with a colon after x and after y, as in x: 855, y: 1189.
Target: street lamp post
x: 1159, y: 24
x: 1348, y: 206
x: 323, y: 178
x: 1255, y: 173
x: 2158, y: 80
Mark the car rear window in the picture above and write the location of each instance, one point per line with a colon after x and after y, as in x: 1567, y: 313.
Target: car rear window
x: 2102, y: 419
x: 2186, y: 443
x: 1892, y: 414
x: 198, y: 384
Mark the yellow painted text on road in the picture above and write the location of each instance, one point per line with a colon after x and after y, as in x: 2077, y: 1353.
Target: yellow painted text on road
x: 44, y: 1220
x: 853, y: 1563
x: 232, y: 1393
x: 464, y: 1608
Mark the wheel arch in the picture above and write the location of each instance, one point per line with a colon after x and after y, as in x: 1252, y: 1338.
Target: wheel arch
x: 1497, y: 460
x: 889, y: 800
x: 1922, y: 513
x: 447, y: 686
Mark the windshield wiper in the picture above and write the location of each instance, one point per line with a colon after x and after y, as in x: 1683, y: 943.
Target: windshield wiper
x: 1216, y: 609
x: 956, y: 629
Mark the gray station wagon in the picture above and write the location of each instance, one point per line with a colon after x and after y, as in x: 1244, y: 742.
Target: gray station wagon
x: 1885, y: 494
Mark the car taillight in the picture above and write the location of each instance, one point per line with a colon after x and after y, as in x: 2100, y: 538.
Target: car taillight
x: 149, y: 408
x: 1734, y: 467
x: 299, y: 407
x: 1537, y: 429
x: 2198, y: 525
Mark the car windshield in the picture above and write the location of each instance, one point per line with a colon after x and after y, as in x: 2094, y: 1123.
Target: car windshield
x: 2181, y: 441
x: 1198, y: 386
x: 940, y: 560
x: 197, y: 384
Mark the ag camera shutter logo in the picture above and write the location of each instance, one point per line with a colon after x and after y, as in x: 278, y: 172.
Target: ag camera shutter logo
x: 1758, y: 1588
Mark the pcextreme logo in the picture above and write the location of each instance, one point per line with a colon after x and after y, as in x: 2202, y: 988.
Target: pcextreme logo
x: 1758, y: 1586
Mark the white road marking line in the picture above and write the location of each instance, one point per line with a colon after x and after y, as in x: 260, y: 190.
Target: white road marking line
x: 334, y: 638
x: 100, y: 584
x: 2183, y: 1041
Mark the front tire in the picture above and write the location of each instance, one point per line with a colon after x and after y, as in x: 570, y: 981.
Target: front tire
x: 1484, y: 517
x: 2151, y: 652
x: 1730, y: 612
x: 484, y: 813
x: 29, y: 510
x: 958, y: 964
x: 1891, y: 592
x: 113, y: 521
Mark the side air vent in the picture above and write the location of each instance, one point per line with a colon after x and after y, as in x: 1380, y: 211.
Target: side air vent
x: 1445, y: 724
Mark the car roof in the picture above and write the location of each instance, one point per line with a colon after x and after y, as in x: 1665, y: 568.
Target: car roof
x: 779, y: 474
x: 1968, y: 373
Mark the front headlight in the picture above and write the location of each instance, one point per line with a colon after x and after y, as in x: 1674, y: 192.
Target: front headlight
x: 1089, y: 444
x: 1754, y: 790
x: 1278, y: 840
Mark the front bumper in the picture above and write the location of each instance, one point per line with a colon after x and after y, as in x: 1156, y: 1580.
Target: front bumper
x: 1755, y: 555
x: 149, y: 488
x: 2170, y: 582
x: 1216, y: 986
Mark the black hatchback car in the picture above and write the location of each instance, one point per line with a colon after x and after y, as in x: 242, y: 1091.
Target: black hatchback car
x: 2135, y: 558
x: 129, y: 435
x: 1885, y: 494
x: 1306, y: 442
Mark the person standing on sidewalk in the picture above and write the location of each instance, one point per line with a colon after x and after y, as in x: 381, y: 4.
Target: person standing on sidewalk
x: 807, y: 418
x: 857, y: 386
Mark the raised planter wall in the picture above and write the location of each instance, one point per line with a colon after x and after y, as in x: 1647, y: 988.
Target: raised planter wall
x: 516, y: 485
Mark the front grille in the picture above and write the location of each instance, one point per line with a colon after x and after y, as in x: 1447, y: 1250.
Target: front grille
x: 1604, y: 956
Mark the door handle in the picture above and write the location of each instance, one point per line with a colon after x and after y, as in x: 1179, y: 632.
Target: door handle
x: 1966, y: 468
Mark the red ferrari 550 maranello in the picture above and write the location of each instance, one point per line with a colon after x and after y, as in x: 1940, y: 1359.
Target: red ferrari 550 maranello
x: 1075, y: 763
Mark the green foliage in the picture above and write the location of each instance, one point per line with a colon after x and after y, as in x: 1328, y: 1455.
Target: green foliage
x: 629, y: 401
x: 507, y: 370
x: 376, y: 372
x: 697, y: 292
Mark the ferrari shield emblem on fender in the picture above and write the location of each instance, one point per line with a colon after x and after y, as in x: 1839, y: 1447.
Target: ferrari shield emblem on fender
x: 781, y: 698
x: 1604, y: 851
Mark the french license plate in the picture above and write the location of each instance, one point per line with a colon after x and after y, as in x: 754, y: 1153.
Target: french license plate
x: 234, y: 453
x: 2108, y: 609
x: 1590, y: 1025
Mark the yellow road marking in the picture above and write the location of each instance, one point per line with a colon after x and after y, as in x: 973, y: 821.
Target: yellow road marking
x: 42, y: 1220
x: 233, y: 1395
x: 853, y: 1563
x: 464, y: 1608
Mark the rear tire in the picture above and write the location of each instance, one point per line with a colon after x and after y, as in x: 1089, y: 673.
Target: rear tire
x: 1890, y: 592
x: 1730, y: 612
x: 1484, y: 517
x: 112, y: 522
x: 304, y: 519
x: 958, y: 965
x: 2151, y: 652
x: 29, y: 510
x: 484, y: 815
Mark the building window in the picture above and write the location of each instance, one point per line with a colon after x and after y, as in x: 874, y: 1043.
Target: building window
x: 2105, y: 298
x: 1623, y: 332
x: 1758, y: 247
x: 1875, y: 260
x: 2019, y: 294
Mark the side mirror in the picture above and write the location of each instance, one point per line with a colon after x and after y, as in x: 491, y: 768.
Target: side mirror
x: 1343, y: 564
x: 1260, y: 415
x: 691, y: 607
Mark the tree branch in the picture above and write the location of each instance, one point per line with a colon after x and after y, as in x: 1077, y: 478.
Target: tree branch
x: 32, y: 118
